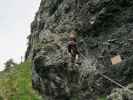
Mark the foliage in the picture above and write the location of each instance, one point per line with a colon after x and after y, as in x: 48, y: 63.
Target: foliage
x: 9, y: 63
x: 102, y: 98
x: 16, y: 84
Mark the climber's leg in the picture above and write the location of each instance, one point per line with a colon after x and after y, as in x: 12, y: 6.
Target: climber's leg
x: 73, y: 59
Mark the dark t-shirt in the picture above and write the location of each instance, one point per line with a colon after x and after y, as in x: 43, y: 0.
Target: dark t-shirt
x: 72, y: 47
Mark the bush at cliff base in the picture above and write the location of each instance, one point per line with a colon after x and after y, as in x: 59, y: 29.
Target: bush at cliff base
x: 15, y: 84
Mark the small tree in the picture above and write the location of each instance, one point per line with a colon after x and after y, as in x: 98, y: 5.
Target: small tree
x: 9, y: 63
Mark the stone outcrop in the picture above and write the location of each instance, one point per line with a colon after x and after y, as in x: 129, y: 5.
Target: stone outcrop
x: 104, y: 28
x: 122, y: 94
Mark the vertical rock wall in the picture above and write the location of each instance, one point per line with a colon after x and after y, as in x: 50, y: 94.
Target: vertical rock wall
x: 105, y: 29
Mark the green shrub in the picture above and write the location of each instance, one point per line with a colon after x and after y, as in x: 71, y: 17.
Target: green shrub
x: 103, y: 98
x: 16, y: 84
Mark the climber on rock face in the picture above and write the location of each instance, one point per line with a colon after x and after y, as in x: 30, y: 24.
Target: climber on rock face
x: 72, y: 48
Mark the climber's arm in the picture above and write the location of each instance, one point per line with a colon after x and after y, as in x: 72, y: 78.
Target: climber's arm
x: 69, y: 48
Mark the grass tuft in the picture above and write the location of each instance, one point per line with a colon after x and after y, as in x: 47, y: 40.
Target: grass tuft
x: 103, y: 98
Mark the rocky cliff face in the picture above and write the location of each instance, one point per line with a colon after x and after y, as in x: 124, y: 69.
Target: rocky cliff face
x: 105, y: 29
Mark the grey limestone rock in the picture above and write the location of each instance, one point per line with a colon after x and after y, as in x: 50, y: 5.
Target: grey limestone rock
x: 104, y: 28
